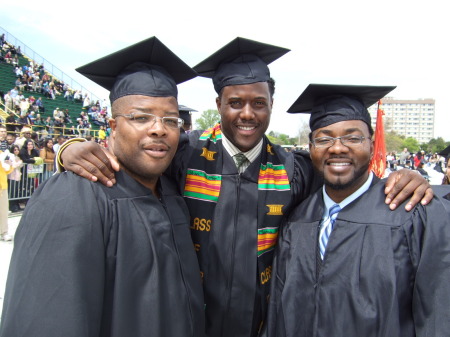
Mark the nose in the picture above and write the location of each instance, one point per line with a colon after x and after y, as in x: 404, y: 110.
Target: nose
x: 247, y: 112
x: 157, y: 128
x: 338, y: 147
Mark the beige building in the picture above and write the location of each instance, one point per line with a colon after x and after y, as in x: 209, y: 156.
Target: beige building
x: 409, y: 118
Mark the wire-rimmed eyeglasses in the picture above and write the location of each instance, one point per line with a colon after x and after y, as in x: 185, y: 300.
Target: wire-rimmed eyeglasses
x: 348, y: 140
x: 146, y: 118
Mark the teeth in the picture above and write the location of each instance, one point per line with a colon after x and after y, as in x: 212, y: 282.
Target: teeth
x: 246, y: 128
x: 339, y: 164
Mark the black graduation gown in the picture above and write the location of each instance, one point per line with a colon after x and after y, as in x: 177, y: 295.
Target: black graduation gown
x: 231, y: 281
x: 95, y: 261
x: 385, y: 273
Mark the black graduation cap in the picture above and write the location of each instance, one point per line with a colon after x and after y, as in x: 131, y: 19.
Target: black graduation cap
x: 242, y: 61
x: 185, y: 114
x: 332, y: 103
x: 146, y: 68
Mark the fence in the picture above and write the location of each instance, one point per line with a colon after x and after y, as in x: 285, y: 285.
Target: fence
x: 32, y: 177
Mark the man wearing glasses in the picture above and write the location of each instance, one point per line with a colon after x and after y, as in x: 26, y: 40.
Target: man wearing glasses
x: 95, y: 261
x: 345, y: 265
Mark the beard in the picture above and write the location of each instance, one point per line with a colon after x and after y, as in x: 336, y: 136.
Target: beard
x: 339, y: 186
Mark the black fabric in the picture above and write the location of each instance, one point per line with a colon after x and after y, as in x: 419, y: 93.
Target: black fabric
x: 146, y: 68
x: 329, y: 103
x: 95, y: 261
x: 227, y: 240
x: 386, y: 273
x: 241, y: 61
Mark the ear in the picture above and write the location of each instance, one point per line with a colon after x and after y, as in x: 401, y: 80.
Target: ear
x: 113, y: 125
x: 219, y: 105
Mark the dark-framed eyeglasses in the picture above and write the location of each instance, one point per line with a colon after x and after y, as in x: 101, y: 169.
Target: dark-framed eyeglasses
x: 348, y: 140
x: 145, y: 119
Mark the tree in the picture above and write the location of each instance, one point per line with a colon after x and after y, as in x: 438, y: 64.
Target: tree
x: 303, y: 133
x: 435, y: 145
x: 411, y: 144
x: 207, y: 119
x: 393, y: 141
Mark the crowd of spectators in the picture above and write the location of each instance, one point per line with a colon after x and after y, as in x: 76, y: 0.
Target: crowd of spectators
x: 429, y: 165
x: 30, y: 111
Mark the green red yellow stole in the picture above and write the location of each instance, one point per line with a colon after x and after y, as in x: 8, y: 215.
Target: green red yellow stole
x: 202, y: 192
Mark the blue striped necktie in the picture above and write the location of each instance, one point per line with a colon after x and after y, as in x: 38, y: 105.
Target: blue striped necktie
x: 327, y: 227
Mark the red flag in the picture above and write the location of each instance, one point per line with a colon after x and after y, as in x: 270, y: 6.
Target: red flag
x: 378, y: 162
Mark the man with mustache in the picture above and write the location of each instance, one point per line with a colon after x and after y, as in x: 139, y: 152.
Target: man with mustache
x: 90, y: 260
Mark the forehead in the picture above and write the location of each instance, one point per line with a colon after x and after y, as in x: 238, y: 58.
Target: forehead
x: 344, y: 127
x: 139, y: 102
x: 259, y: 89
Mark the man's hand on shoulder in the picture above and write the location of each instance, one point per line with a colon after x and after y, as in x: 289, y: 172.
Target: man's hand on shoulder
x: 405, y: 183
x: 91, y: 161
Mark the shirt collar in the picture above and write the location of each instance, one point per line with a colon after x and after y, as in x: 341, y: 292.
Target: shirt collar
x: 329, y: 202
x: 232, y: 150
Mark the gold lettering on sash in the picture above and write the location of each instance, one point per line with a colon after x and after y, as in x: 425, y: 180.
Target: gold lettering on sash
x: 201, y: 225
x: 275, y: 209
x: 197, y: 247
x: 209, y: 155
x: 266, y: 275
x: 269, y: 149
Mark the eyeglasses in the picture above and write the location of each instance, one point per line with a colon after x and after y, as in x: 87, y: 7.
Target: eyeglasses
x: 142, y: 118
x: 349, y: 140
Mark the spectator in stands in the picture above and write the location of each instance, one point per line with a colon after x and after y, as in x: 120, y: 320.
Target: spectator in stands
x: 24, y: 120
x: 59, y: 141
x: 446, y: 180
x: 3, y: 142
x: 49, y: 125
x: 71, y: 132
x: 8, y: 57
x: 8, y: 100
x: 40, y: 105
x: 77, y: 96
x: 29, y: 155
x: 5, y: 169
x: 14, y: 178
x: 101, y: 133
x: 48, y: 154
x: 86, y: 102
x: 25, y: 134
x: 10, y: 139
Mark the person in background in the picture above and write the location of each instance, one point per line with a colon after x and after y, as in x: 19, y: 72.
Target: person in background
x: 446, y: 179
x: 48, y: 155
x: 3, y: 142
x: 5, y: 169
x: 346, y: 265
x: 14, y: 179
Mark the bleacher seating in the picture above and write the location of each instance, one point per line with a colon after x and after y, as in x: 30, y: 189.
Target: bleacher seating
x: 7, y: 82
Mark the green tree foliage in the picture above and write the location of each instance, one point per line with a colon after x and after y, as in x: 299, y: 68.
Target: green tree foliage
x: 207, y: 119
x: 435, y: 145
x: 393, y: 142
x: 411, y: 144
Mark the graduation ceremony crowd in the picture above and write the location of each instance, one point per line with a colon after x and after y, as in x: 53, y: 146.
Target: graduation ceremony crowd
x: 219, y: 232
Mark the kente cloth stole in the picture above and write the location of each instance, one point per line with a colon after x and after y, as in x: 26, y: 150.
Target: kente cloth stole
x: 202, y: 190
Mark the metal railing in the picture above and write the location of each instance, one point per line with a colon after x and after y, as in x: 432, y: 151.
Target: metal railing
x: 32, y: 176
x: 48, y: 66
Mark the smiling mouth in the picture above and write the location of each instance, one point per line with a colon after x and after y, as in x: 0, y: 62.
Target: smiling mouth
x: 338, y: 164
x: 246, y: 128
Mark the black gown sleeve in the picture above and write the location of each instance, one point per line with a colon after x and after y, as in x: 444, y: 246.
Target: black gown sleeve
x: 430, y: 243
x: 56, y: 276
x: 305, y: 181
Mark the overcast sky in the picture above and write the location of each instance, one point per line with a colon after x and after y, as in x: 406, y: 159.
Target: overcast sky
x: 403, y: 43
